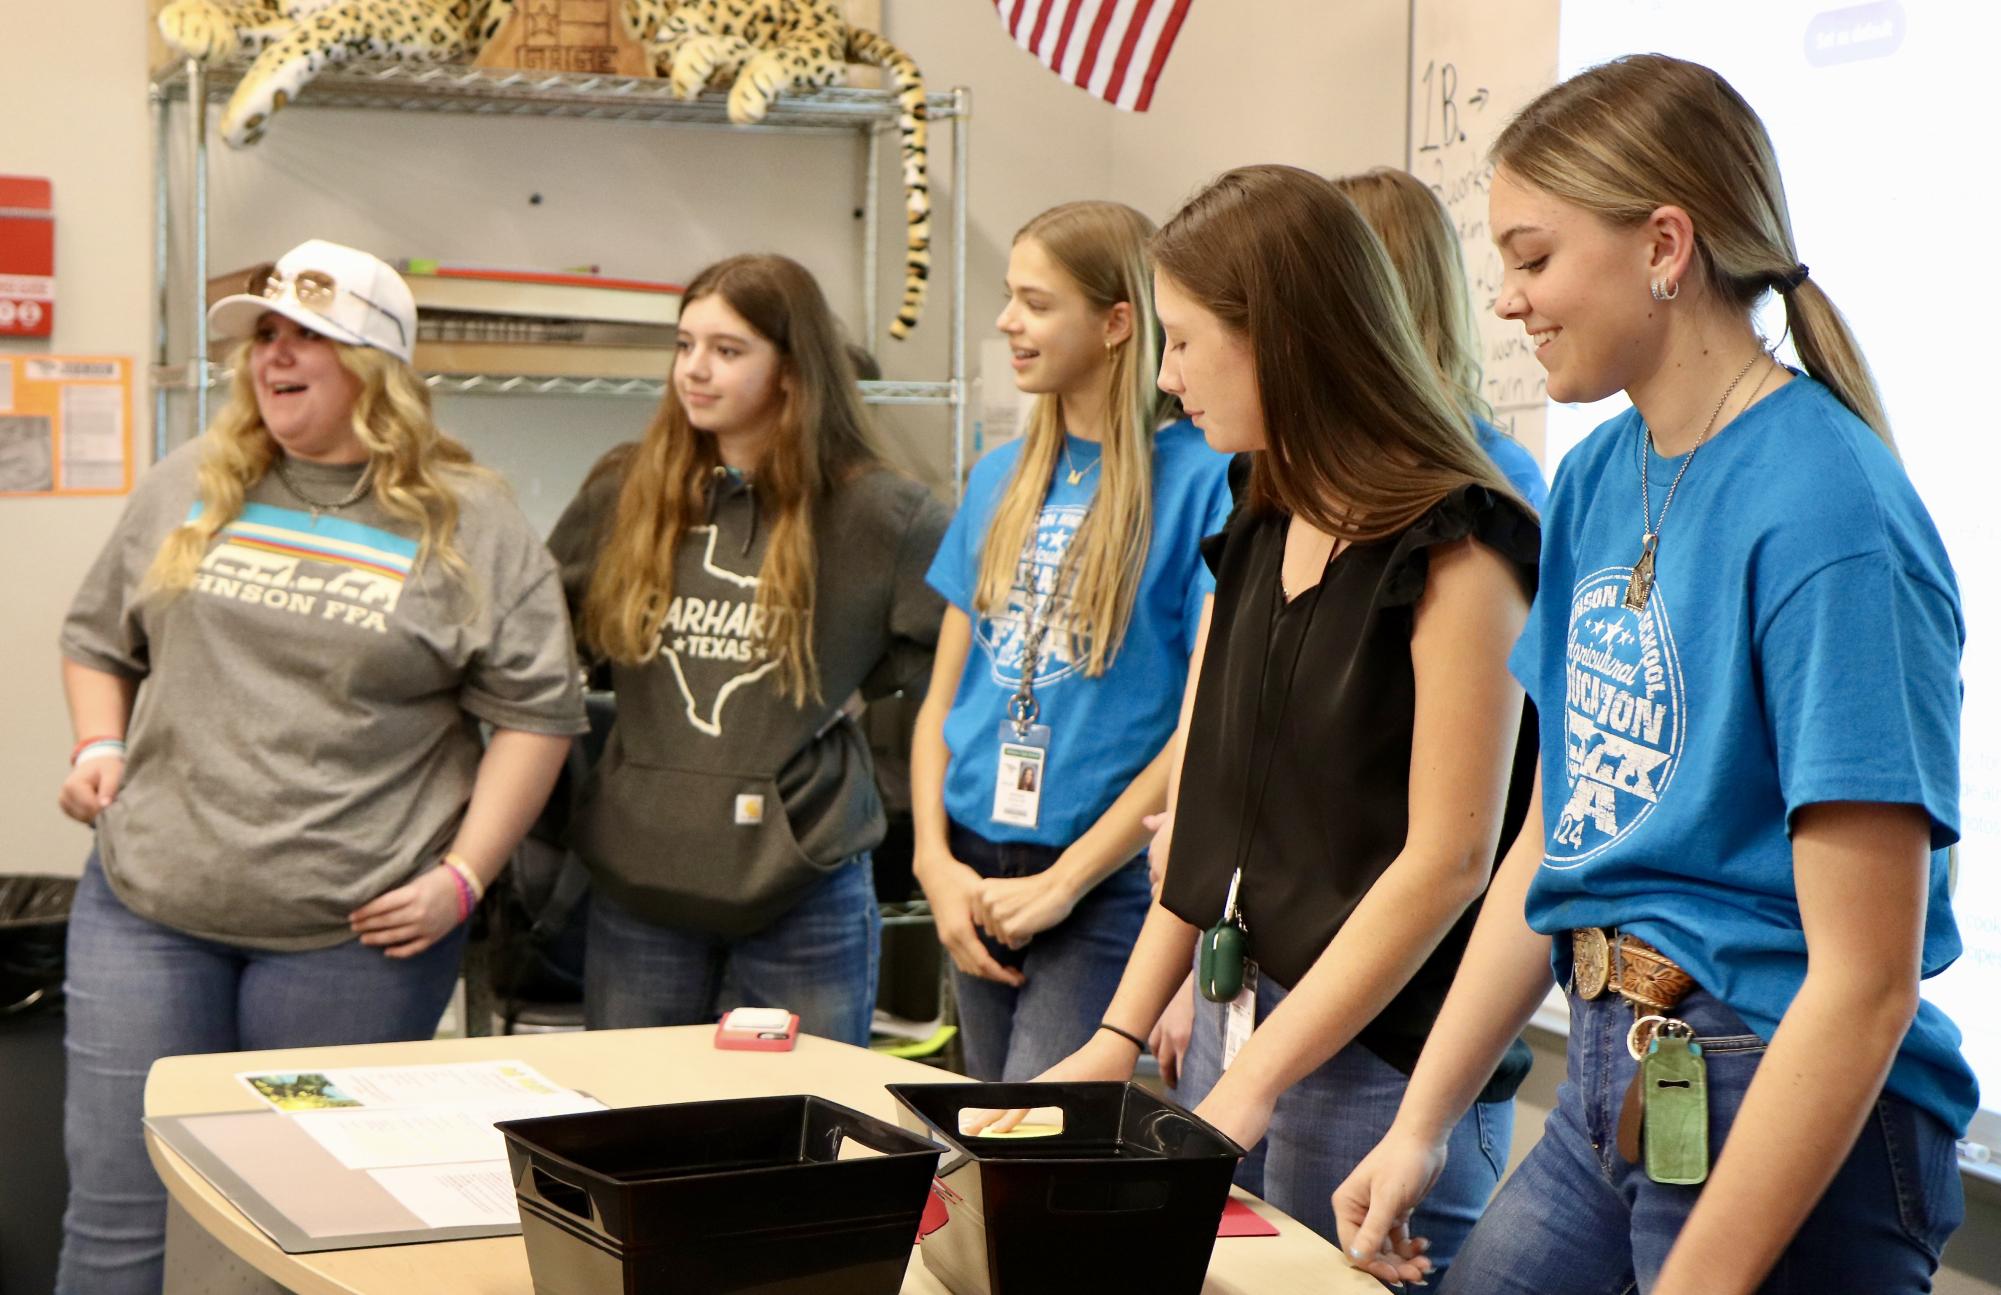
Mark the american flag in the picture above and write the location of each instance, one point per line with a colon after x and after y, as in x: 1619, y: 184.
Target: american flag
x: 1113, y: 48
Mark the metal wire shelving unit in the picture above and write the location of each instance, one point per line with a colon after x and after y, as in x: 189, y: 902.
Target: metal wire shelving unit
x: 493, y: 92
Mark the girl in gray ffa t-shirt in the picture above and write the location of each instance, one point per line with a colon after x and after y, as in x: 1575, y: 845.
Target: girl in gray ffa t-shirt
x: 746, y: 569
x: 277, y: 669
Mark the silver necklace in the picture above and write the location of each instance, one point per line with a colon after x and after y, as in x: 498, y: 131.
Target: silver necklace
x: 1641, y: 586
x: 319, y: 506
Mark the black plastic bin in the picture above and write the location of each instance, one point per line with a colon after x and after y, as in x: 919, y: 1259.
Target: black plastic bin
x: 750, y: 1195
x: 1127, y: 1197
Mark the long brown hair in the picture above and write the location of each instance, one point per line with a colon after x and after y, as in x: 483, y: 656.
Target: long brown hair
x: 1102, y: 247
x: 1424, y: 251
x: 410, y: 462
x: 1362, y: 437
x: 1627, y: 137
x: 822, y: 440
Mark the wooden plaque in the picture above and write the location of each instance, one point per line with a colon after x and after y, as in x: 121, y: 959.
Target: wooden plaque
x: 566, y: 36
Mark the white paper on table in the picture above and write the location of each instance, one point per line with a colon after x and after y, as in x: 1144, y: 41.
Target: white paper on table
x: 453, y: 1196
x: 378, y: 1138
x: 456, y: 1084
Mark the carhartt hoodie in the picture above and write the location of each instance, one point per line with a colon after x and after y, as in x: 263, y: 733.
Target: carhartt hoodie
x: 718, y: 801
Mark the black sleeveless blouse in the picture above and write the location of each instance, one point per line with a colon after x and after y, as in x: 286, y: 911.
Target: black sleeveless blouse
x: 1298, y: 753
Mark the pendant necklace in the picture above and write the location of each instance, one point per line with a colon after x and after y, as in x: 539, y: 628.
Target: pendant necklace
x: 319, y: 506
x: 1074, y: 474
x: 1641, y: 586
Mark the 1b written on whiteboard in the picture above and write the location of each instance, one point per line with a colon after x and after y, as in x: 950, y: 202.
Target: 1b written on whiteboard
x: 1453, y: 130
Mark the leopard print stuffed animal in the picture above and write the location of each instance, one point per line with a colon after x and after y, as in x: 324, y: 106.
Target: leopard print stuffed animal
x: 292, y: 40
x: 760, y: 49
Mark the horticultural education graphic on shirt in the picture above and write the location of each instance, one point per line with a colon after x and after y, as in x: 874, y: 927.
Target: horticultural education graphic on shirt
x: 1003, y: 635
x: 714, y: 636
x: 327, y: 568
x: 1624, y: 716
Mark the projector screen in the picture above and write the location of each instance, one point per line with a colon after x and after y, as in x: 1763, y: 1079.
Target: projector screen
x: 1878, y: 112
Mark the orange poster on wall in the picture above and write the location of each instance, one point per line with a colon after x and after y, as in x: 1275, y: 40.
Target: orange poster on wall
x: 27, y: 257
x: 65, y: 425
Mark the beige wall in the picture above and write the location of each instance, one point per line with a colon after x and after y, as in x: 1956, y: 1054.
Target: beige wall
x: 1304, y: 82
x: 74, y: 98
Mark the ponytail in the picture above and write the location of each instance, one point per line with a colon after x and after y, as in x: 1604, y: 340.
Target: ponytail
x: 1627, y: 137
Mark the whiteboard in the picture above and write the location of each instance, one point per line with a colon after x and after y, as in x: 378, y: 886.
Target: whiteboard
x: 1473, y: 64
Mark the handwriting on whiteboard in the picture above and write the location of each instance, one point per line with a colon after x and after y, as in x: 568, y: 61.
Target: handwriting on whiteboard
x: 1455, y: 127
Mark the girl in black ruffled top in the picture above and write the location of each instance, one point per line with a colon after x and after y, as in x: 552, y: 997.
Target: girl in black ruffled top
x: 1354, y: 745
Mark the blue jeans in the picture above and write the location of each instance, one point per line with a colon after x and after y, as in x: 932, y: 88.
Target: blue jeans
x: 1576, y: 1219
x: 138, y: 991
x: 1323, y: 1125
x: 1073, y: 968
x: 820, y: 960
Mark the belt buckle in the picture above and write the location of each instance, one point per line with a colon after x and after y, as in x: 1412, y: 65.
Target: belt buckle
x: 1590, y: 961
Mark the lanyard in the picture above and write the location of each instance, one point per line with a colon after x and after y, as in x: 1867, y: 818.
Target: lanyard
x: 1023, y: 708
x: 1276, y: 591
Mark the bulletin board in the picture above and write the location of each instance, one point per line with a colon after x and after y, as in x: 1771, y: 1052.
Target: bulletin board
x: 65, y: 425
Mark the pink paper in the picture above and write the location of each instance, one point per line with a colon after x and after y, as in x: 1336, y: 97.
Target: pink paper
x: 1240, y: 1220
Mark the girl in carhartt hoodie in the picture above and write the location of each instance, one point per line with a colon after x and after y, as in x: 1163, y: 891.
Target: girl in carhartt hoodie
x: 746, y: 569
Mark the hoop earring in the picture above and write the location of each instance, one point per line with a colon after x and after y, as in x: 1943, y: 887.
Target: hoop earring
x: 1664, y: 290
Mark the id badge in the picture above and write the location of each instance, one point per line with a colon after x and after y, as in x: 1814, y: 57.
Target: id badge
x: 1024, y: 757
x: 1241, y: 1016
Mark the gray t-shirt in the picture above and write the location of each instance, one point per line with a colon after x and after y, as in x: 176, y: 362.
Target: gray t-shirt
x: 305, y: 734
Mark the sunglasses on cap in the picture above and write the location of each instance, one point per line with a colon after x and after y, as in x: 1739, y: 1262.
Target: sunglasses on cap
x: 313, y: 289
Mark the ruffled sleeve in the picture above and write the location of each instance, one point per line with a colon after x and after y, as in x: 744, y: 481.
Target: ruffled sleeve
x: 1501, y: 523
x: 1214, y: 546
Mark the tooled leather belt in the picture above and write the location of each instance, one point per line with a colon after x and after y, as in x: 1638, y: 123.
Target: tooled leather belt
x: 1604, y: 962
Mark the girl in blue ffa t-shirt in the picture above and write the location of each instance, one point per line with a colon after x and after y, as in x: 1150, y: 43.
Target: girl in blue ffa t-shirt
x: 1745, y: 653
x: 1077, y: 594
x: 1418, y: 233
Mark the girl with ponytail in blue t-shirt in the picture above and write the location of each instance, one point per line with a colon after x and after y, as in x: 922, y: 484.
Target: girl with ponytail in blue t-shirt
x: 1745, y: 653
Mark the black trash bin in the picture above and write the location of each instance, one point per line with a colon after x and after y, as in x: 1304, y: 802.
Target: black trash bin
x: 1125, y: 1197
x: 760, y: 1195
x: 34, y: 921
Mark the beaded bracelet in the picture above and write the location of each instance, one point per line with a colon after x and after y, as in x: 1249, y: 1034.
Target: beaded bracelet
x: 92, y: 748
x: 464, y: 872
x: 465, y: 892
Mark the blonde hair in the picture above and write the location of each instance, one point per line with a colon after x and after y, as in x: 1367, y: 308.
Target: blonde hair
x: 1362, y: 437
x: 1627, y: 137
x: 822, y: 440
x: 1102, y: 247
x: 1424, y: 251
x: 409, y: 460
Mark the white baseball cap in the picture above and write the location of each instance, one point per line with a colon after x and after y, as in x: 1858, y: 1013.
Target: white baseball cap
x: 338, y: 292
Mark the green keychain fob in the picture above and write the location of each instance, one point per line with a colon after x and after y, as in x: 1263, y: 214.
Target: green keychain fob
x: 1219, y: 961
x: 1219, y: 967
x: 1675, y: 1131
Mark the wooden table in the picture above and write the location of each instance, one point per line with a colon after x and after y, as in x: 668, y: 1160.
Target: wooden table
x: 620, y: 1068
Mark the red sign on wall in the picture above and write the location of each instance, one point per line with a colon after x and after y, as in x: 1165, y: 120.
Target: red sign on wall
x: 27, y: 257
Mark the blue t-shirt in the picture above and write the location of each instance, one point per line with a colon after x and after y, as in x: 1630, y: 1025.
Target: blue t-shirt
x: 1802, y: 645
x: 1103, y: 731
x: 1515, y: 463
